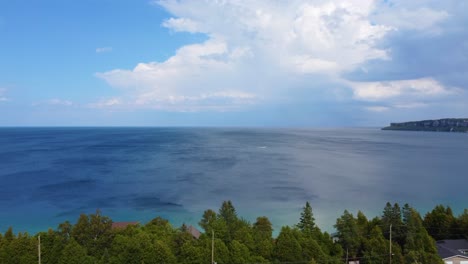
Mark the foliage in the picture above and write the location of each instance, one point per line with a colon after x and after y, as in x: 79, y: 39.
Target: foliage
x: 92, y: 240
x: 307, y: 221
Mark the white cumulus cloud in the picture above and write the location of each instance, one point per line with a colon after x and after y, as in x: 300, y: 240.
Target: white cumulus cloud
x: 418, y: 88
x: 107, y: 103
x: 254, y: 48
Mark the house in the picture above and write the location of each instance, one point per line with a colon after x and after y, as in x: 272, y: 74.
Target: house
x: 194, y: 232
x: 123, y: 225
x: 453, y: 251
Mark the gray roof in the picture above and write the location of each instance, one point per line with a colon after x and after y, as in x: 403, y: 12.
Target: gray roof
x: 194, y: 232
x: 450, y: 248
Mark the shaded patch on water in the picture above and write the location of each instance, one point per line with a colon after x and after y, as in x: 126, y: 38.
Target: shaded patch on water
x: 287, y: 193
x: 146, y: 202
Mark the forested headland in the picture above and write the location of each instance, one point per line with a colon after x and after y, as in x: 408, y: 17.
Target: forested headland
x: 92, y: 239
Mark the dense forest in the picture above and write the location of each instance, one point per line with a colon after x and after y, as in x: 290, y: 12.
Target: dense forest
x: 93, y: 240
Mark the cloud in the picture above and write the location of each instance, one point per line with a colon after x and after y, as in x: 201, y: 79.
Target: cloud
x: 103, y: 49
x: 377, y: 108
x: 247, y: 42
x: 55, y: 102
x: 273, y: 52
x: 182, y: 25
x: 382, y: 90
x: 401, y: 16
x: 107, y: 103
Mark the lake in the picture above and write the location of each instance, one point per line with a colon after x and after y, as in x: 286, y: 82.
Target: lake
x: 49, y: 175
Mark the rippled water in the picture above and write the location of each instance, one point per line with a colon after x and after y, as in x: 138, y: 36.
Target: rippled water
x: 49, y: 175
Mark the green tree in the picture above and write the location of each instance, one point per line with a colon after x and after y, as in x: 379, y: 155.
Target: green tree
x: 376, y: 248
x: 244, y: 233
x: 462, y: 221
x: 239, y: 253
x: 307, y: 221
x: 74, y: 253
x: 262, y: 236
x: 65, y: 230
x: 23, y: 249
x: 287, y: 248
x: 192, y: 253
x: 9, y: 235
x: 221, y: 251
x: 130, y: 249
x: 311, y: 250
x: 228, y: 215
x: 52, y: 244
x: 392, y: 216
x: 158, y: 253
x: 81, y: 231
x: 161, y: 229
x: 420, y: 246
x: 348, y: 235
x: 439, y: 222
x: 208, y: 220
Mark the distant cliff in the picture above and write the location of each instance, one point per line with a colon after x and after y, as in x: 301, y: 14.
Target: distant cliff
x: 445, y: 125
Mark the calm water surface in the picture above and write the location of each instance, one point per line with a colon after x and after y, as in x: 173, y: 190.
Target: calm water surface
x: 48, y: 175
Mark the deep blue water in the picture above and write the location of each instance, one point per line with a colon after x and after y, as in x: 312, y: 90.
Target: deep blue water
x: 49, y: 175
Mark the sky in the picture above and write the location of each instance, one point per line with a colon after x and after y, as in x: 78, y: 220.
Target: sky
x: 298, y: 63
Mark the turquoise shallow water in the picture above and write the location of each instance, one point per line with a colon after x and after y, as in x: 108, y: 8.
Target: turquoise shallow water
x: 49, y: 175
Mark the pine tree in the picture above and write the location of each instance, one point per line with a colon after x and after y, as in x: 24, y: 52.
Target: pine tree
x: 439, y: 222
x: 307, y: 221
x: 348, y: 233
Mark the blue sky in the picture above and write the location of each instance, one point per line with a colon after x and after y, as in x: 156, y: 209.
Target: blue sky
x: 231, y: 63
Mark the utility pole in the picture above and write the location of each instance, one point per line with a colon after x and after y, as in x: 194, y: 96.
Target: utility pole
x: 39, y: 249
x: 212, y: 247
x: 390, y: 243
x: 347, y: 256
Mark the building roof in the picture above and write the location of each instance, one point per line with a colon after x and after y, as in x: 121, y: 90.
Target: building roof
x: 194, y: 232
x: 122, y: 225
x: 452, y: 247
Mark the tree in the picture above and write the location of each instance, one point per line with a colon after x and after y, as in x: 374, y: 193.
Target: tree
x: 348, y: 233
x: 239, y: 253
x: 100, y: 234
x: 192, y: 253
x: 463, y: 223
x: 74, y: 253
x: 81, y: 231
x: 130, y: 249
x: 287, y: 248
x: 65, y: 230
x: 392, y: 215
x: 307, y: 221
x: 244, y: 233
x: 376, y: 248
x: 439, y: 222
x: 419, y: 247
x: 262, y: 236
x: 208, y: 220
x: 9, y: 235
x: 311, y: 250
x: 22, y: 249
x: 52, y: 244
x: 161, y: 229
x: 159, y: 253
x: 228, y: 212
